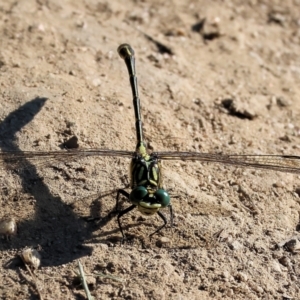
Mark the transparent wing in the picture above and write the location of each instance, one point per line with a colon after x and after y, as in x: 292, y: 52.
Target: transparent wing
x: 283, y: 163
x: 19, y: 159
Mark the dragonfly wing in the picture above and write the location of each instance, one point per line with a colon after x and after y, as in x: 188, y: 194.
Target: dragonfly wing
x: 283, y: 163
x: 19, y: 159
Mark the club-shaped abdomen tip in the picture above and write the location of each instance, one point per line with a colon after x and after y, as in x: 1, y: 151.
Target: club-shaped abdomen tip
x: 125, y: 51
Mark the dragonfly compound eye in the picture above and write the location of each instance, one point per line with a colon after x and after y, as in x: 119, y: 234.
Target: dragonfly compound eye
x: 138, y: 194
x: 163, y: 197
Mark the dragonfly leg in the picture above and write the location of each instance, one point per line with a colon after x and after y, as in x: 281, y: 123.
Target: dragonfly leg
x: 161, y: 227
x: 165, y: 220
x: 122, y: 213
x: 171, y: 215
x: 122, y: 192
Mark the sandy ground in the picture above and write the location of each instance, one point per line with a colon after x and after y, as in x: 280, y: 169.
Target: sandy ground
x: 60, y: 76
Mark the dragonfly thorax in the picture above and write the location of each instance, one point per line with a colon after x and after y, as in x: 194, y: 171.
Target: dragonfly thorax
x: 145, y: 171
x: 147, y: 191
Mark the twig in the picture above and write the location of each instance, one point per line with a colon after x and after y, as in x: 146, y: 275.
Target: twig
x: 34, y: 281
x: 83, y: 281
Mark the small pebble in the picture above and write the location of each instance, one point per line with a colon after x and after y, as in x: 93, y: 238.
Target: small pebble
x: 276, y: 267
x: 235, y: 245
x: 238, y: 108
x: 284, y: 261
x: 31, y: 257
x: 277, y: 17
x: 293, y: 245
x: 230, y: 293
x: 96, y: 82
x: 226, y: 275
x: 103, y: 246
x: 8, y: 227
x: 280, y: 101
x: 242, y: 277
x: 162, y: 241
x: 72, y: 143
x: 256, y: 287
x: 279, y: 184
x: 41, y: 28
x: 211, y: 29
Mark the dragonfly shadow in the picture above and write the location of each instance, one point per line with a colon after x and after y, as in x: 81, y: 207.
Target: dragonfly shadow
x: 100, y: 215
x: 53, y: 226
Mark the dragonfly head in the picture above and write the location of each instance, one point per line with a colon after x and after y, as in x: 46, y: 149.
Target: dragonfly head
x: 149, y: 201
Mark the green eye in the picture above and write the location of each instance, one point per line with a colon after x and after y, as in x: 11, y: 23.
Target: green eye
x: 138, y: 194
x: 163, y: 197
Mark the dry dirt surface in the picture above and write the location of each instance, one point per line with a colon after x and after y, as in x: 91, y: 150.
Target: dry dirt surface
x: 214, y: 76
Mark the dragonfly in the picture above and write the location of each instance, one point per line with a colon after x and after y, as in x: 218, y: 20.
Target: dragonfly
x: 148, y: 194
